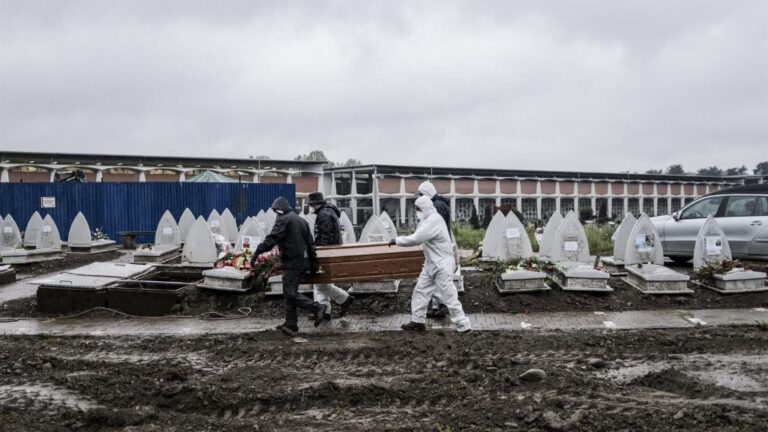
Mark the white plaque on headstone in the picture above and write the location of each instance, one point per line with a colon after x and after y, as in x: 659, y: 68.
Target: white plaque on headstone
x: 513, y: 233
x: 47, y: 228
x: 250, y: 242
x: 8, y: 230
x: 570, y: 246
x: 167, y: 231
x: 713, y: 245
x: 377, y: 238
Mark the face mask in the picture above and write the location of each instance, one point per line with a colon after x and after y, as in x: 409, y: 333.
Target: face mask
x: 419, y: 215
x: 311, y: 210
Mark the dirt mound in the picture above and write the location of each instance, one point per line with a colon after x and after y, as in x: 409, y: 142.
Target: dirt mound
x: 676, y: 382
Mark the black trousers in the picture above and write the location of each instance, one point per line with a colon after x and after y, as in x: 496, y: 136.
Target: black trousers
x: 293, y: 299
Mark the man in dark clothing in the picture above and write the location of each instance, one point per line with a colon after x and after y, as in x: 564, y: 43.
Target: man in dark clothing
x: 437, y: 309
x: 297, y: 255
x: 328, y: 233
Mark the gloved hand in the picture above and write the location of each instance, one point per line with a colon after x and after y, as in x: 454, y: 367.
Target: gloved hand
x: 392, y: 243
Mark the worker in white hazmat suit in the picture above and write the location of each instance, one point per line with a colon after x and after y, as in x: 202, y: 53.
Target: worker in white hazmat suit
x: 437, y: 274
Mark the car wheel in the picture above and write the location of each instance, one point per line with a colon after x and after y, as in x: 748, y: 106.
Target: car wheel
x: 680, y: 260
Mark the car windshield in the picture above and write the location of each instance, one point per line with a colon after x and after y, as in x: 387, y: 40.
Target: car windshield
x: 740, y: 206
x: 702, y: 209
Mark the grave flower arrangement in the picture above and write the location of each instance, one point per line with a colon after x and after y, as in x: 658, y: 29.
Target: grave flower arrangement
x: 530, y: 264
x: 710, y: 270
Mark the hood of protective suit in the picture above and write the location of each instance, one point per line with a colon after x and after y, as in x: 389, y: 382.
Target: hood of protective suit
x: 426, y: 206
x: 427, y: 189
x: 281, y: 206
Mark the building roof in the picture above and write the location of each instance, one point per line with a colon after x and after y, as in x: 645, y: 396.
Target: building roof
x: 425, y: 171
x: 211, y: 177
x: 159, y: 161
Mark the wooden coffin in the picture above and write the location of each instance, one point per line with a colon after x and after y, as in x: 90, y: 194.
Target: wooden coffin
x: 367, y: 262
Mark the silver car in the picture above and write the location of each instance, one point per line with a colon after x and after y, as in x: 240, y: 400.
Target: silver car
x: 742, y: 212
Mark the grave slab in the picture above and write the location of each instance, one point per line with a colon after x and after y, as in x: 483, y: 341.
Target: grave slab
x: 227, y: 279
x: 656, y: 279
x: 275, y: 287
x: 167, y: 242
x: 79, y: 238
x: 520, y: 281
x: 577, y: 276
x: 570, y: 253
x: 712, y: 248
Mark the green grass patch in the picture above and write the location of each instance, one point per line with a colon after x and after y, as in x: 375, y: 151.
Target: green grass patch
x: 599, y: 238
x: 467, y: 237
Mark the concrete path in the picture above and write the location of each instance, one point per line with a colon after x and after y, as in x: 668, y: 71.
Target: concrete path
x: 480, y: 322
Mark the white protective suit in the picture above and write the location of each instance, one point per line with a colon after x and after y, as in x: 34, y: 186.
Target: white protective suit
x: 437, y: 274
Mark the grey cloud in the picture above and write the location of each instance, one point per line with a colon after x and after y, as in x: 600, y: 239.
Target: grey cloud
x: 600, y: 86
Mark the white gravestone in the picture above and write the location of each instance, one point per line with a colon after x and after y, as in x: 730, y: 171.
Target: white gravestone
x: 548, y: 236
x: 185, y: 223
x: 33, y: 228
x: 310, y: 218
x: 249, y: 237
x: 388, y: 224
x: 48, y: 237
x: 79, y: 238
x: 231, y: 225
x: 199, y: 247
x: 374, y: 232
x: 216, y: 224
x: 644, y: 262
x: 347, y: 229
x: 261, y: 220
x: 570, y: 252
x: 517, y: 245
x: 271, y: 217
x: 712, y: 248
x: 11, y: 237
x: 615, y: 264
x: 79, y: 232
x: 493, y: 241
x: 167, y: 232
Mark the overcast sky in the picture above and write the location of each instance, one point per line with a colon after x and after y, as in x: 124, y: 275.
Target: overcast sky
x: 577, y: 85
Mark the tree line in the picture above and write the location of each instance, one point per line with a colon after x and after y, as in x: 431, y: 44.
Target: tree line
x: 760, y: 169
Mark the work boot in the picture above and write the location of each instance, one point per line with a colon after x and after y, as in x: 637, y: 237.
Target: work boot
x: 413, y: 326
x: 288, y: 329
x: 321, y: 314
x: 345, y: 306
x: 440, y: 312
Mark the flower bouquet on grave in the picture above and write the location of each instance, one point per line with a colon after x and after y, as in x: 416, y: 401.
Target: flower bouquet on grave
x: 710, y: 270
x: 265, y: 266
x: 530, y: 264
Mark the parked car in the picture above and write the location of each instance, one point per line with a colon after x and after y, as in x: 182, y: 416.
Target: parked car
x: 741, y: 211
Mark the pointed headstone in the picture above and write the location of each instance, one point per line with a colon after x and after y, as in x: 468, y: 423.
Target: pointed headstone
x: 185, y: 223
x: 374, y: 232
x: 261, y: 220
x: 167, y: 232
x: 249, y: 237
x: 271, y: 217
x: 231, y: 225
x: 347, y: 229
x: 79, y: 232
x: 48, y: 237
x: 311, y: 218
x: 711, y: 245
x: 643, y: 245
x: 548, y: 236
x: 388, y: 224
x: 10, y: 236
x: 199, y: 247
x: 32, y: 230
x: 622, y: 236
x: 569, y: 243
x: 493, y: 241
x: 216, y: 224
x: 516, y: 243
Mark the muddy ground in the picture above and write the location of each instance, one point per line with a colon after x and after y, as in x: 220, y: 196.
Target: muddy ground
x: 480, y: 295
x: 712, y: 379
x: 69, y: 261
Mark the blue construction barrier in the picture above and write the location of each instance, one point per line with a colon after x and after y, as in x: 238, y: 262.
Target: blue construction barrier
x: 115, y: 207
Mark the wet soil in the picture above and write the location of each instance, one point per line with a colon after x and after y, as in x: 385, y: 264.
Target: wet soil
x: 480, y: 295
x: 684, y: 380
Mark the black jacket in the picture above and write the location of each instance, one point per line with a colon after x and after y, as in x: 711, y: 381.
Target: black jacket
x: 327, y: 228
x: 443, y: 208
x: 291, y: 234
